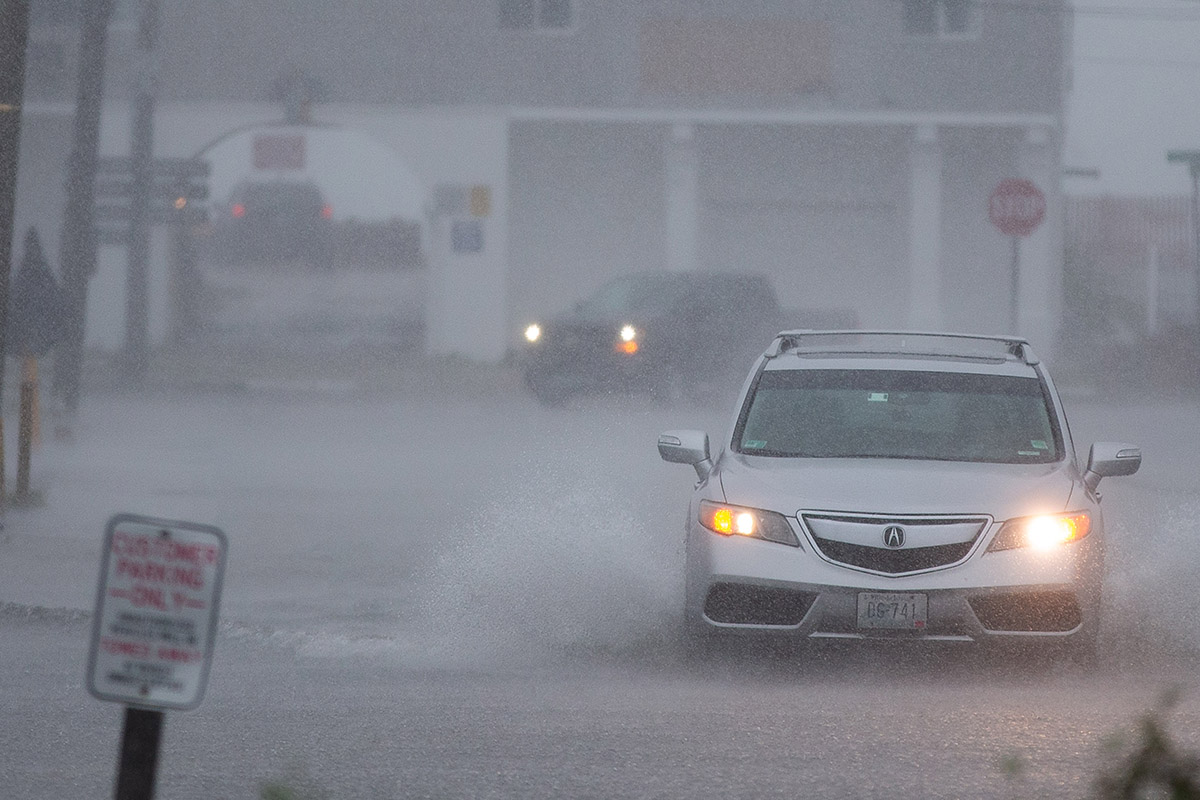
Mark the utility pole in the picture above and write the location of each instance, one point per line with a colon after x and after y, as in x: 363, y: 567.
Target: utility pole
x: 14, y: 34
x: 1192, y: 159
x: 141, y: 157
x: 78, y: 250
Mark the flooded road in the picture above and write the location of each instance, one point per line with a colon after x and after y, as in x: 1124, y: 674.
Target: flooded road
x: 458, y: 593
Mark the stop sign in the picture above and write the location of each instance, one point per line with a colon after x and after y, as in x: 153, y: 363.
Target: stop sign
x: 1016, y: 207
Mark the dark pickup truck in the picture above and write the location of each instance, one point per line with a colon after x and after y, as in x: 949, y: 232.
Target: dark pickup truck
x: 674, y: 335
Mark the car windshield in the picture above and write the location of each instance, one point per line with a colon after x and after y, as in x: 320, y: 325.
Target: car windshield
x: 634, y: 296
x: 940, y: 416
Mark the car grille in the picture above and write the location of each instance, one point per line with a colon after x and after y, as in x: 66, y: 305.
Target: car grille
x: 893, y: 561
x: 929, y: 542
x: 741, y: 604
x: 1056, y: 612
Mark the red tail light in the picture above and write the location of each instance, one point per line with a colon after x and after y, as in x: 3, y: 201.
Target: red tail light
x: 326, y: 211
x: 239, y: 211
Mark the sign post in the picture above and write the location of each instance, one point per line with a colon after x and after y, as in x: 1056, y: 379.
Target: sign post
x: 1016, y: 206
x: 13, y: 40
x: 153, y: 631
x: 1192, y: 159
x: 176, y: 190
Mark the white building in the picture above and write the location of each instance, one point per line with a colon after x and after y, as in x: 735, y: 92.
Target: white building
x: 847, y: 149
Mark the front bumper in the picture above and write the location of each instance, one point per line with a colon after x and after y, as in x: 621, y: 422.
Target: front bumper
x: 736, y: 584
x: 586, y: 371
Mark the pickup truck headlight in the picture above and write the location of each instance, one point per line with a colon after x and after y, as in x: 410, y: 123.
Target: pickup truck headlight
x: 730, y: 520
x: 533, y: 333
x: 1043, y: 532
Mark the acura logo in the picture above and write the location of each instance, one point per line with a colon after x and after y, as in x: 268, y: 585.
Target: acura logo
x: 893, y: 536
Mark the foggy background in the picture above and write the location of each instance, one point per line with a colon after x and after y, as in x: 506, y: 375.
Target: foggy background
x: 438, y: 587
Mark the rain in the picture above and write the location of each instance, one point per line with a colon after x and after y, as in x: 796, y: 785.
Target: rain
x: 297, y: 272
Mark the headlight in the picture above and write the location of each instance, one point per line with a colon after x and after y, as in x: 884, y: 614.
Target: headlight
x: 730, y: 520
x: 1043, y: 532
x: 533, y: 333
x: 627, y: 340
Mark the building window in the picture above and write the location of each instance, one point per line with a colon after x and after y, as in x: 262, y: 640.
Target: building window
x: 537, y: 15
x: 55, y: 12
x: 946, y: 18
x: 69, y: 13
x: 46, y: 69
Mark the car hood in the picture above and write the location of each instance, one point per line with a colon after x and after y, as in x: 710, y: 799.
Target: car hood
x: 889, y: 486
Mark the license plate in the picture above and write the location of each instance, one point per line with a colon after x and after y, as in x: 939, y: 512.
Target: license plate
x: 892, y: 610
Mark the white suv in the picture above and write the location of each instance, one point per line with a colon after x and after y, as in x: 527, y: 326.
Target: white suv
x: 891, y: 484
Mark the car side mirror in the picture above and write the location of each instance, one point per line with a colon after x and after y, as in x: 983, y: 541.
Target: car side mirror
x: 686, y: 447
x: 1110, y: 460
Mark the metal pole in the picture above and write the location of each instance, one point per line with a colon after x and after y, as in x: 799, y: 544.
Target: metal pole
x: 24, y: 440
x: 1153, y: 270
x: 14, y: 33
x: 1016, y: 286
x: 139, y: 754
x: 141, y: 152
x: 78, y: 252
x: 1195, y: 170
x: 184, y: 283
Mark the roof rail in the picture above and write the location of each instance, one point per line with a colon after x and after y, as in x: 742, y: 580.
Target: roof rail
x: 1015, y: 347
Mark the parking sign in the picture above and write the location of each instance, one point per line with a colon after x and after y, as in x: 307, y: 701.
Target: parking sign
x: 156, y: 612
